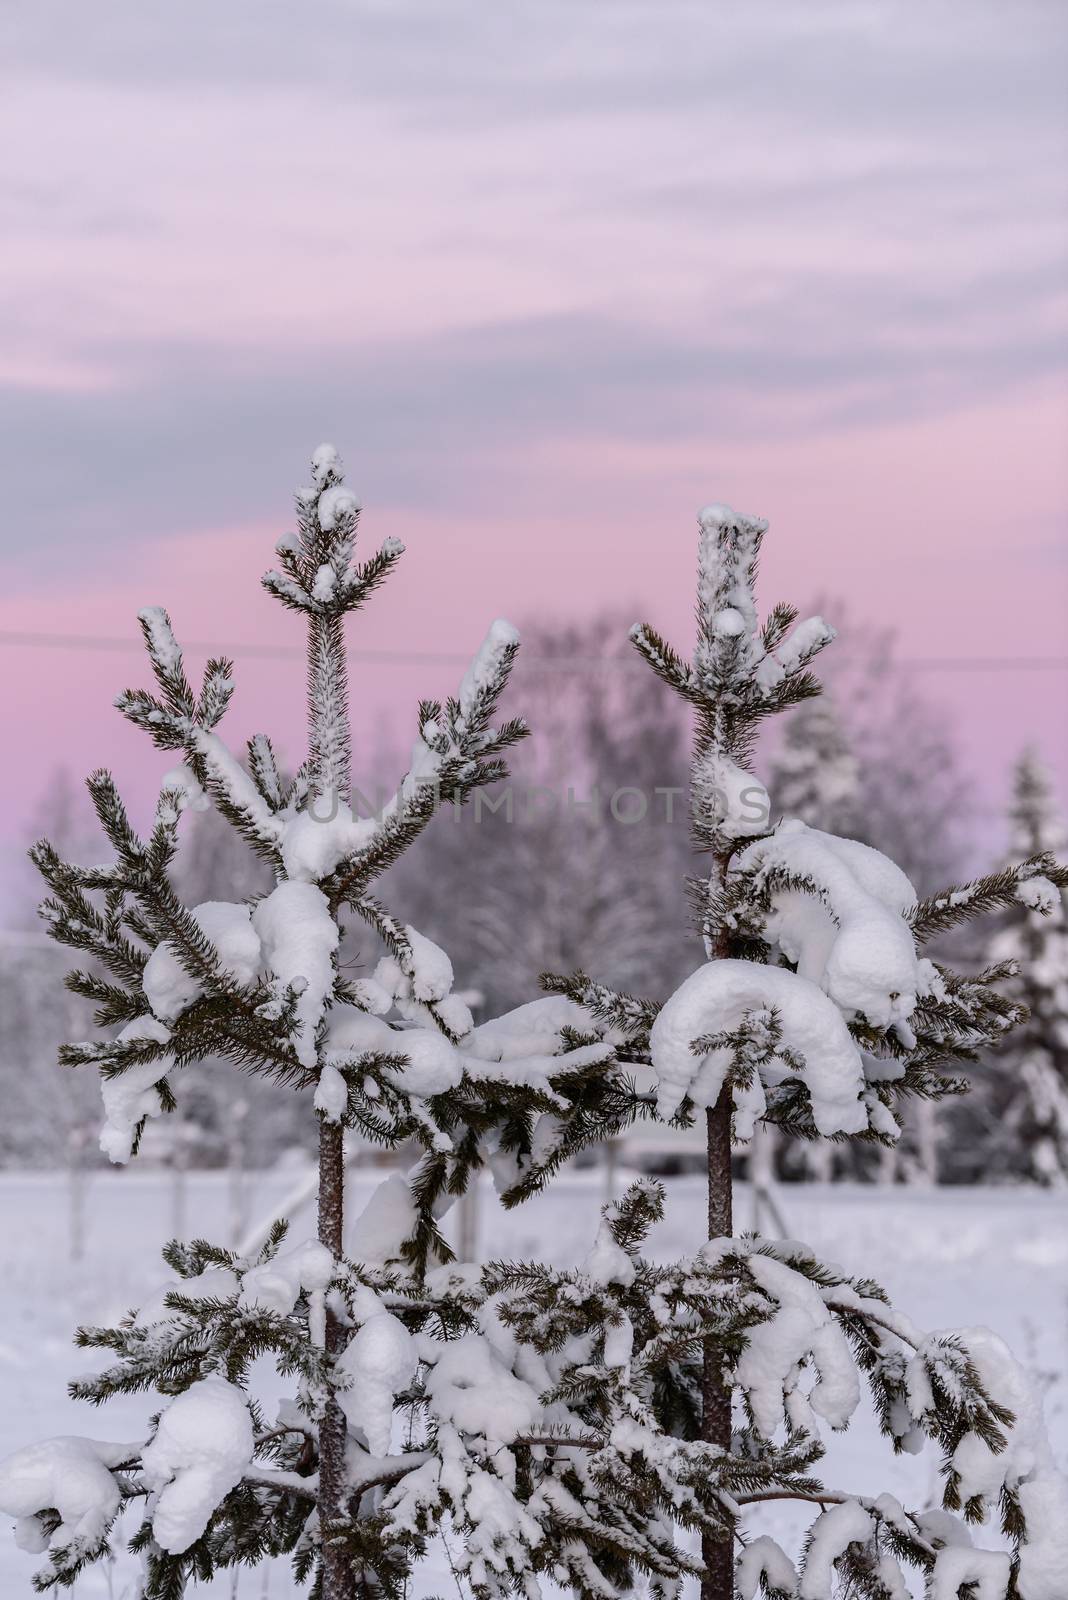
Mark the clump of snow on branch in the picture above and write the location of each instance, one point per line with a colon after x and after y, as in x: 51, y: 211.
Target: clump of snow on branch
x: 386, y: 1221
x: 276, y: 1285
x: 377, y: 1364
x: 300, y: 939
x: 170, y: 988
x: 472, y: 1390
x: 180, y: 791
x: 732, y: 796
x: 485, y: 668
x: 837, y: 912
x: 764, y: 1565
x: 801, y: 1331
x: 429, y: 1063
x: 132, y: 1095
x: 71, y: 1476
x: 200, y: 1451
x: 716, y: 999
x: 1038, y: 894
x: 160, y: 638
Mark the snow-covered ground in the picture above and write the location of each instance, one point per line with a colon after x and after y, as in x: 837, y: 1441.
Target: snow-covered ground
x: 950, y: 1258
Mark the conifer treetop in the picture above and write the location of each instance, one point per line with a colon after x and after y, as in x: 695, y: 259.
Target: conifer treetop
x: 841, y: 1014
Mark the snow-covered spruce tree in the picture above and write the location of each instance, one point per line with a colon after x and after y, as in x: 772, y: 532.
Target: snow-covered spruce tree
x: 817, y: 1013
x: 1030, y: 1087
x: 392, y: 1055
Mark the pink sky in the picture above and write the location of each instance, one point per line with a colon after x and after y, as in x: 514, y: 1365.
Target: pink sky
x: 550, y: 278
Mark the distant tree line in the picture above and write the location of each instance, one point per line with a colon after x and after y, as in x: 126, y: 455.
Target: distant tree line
x: 595, y: 818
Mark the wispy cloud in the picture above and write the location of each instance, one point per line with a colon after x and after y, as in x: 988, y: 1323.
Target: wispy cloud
x: 538, y: 268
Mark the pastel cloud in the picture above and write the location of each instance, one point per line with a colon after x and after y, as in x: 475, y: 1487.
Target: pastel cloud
x: 550, y: 276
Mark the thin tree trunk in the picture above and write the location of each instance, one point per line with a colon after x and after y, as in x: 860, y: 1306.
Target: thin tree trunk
x: 718, y: 1554
x: 338, y: 1580
x: 331, y: 757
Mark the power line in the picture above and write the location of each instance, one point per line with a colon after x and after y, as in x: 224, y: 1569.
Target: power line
x: 87, y: 641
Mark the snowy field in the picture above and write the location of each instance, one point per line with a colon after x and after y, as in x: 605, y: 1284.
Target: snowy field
x: 948, y: 1257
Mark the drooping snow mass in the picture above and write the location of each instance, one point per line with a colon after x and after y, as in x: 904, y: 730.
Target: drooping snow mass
x: 71, y: 1476
x: 986, y: 1570
x: 531, y: 1029
x: 320, y: 836
x: 848, y: 932
x: 832, y: 1533
x: 170, y: 989
x: 132, y: 1094
x: 276, y: 1285
x: 801, y: 1331
x: 608, y: 1262
x: 299, y: 938
x: 380, y: 1361
x: 431, y: 975
x: 763, y: 1558
x: 715, y: 999
x: 430, y: 1065
x: 201, y: 1449
x: 385, y: 1222
x: 471, y: 1388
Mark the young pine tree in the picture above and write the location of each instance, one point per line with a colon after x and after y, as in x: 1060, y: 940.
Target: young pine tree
x: 815, y: 1012
x: 1030, y: 1088
x: 394, y: 1055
